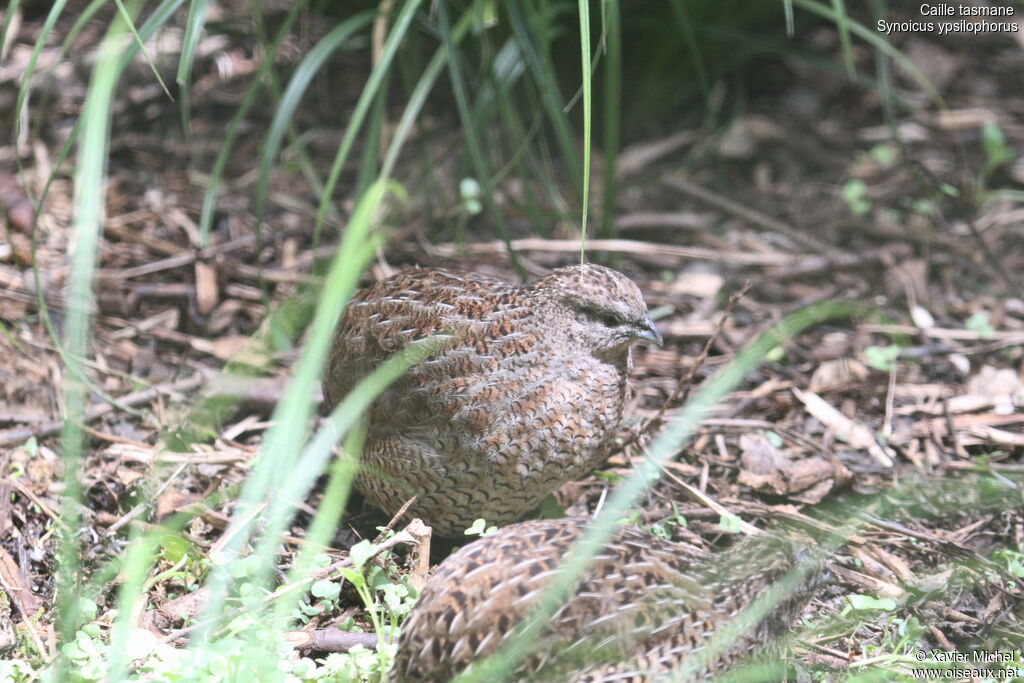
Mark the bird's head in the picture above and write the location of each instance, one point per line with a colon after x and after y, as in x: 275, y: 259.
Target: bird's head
x: 608, y: 308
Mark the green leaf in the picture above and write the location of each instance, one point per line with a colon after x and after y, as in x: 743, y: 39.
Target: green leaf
x: 882, y: 358
x: 174, y: 548
x: 854, y: 192
x: 354, y: 577
x: 242, y: 567
x: 87, y: 608
x: 884, y: 155
x: 730, y: 524
x: 477, y: 528
x: 993, y: 142
x: 361, y: 552
x: 868, y: 603
x: 979, y: 323
x: 325, y: 590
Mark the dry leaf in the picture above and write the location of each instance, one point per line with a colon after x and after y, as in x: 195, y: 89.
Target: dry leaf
x: 850, y: 431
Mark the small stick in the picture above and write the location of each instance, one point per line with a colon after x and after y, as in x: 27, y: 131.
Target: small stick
x: 706, y: 500
x: 750, y: 215
x: 687, y: 379
x: 13, y: 437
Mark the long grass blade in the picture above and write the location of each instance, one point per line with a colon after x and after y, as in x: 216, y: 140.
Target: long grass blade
x: 231, y: 133
x: 193, y: 30
x: 547, y: 82
x: 585, y: 74
x: 612, y: 117
x: 292, y: 96
x: 878, y: 42
x: 473, y: 136
x: 292, y: 414
x: 30, y: 67
x: 87, y: 201
x: 366, y: 98
x: 843, y: 27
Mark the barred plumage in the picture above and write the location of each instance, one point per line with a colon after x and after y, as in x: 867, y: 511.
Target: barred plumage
x: 643, y: 608
x: 526, y: 397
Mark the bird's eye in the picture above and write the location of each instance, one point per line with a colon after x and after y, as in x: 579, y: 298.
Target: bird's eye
x: 607, y: 318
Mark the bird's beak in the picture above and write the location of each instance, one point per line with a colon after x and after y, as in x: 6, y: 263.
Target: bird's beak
x: 647, y: 330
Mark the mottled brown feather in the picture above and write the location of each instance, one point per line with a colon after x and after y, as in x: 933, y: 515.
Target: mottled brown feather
x: 639, y: 612
x: 526, y: 395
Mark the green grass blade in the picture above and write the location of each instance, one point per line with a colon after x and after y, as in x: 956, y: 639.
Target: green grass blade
x: 843, y: 27
x: 612, y: 117
x: 547, y: 82
x: 133, y: 568
x: 26, y: 79
x: 141, y: 46
x: 366, y: 98
x: 878, y: 42
x: 469, y: 126
x: 193, y: 30
x: 291, y: 416
x: 76, y: 28
x: 292, y: 97
x: 883, y: 76
x: 585, y: 74
x: 90, y: 174
x: 693, y: 49
x: 157, y: 18
x: 316, y: 455
x: 231, y: 133
x: 418, y: 97
x: 12, y: 9
x: 790, y: 19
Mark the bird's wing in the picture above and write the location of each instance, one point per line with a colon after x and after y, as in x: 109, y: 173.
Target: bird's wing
x: 386, y: 317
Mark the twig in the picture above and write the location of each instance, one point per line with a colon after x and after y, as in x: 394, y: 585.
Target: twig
x: 329, y: 640
x: 394, y: 520
x: 12, y: 437
x: 708, y: 501
x: 625, y: 247
x: 687, y: 379
x: 750, y: 215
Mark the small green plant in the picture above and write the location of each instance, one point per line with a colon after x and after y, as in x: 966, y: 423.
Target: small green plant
x: 882, y: 358
x: 480, y: 528
x: 469, y: 192
x: 673, y: 521
x: 1012, y: 561
x: 730, y: 524
x: 387, y: 601
x: 979, y: 322
x: 997, y: 152
x: 854, y: 193
x: 883, y: 154
x: 867, y: 603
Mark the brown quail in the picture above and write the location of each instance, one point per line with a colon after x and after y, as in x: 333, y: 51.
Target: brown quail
x: 527, y: 394
x: 641, y: 611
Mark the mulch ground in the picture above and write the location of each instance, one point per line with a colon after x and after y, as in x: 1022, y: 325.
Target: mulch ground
x: 906, y: 418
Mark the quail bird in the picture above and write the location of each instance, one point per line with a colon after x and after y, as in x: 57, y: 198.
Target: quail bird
x: 644, y: 609
x: 527, y: 395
